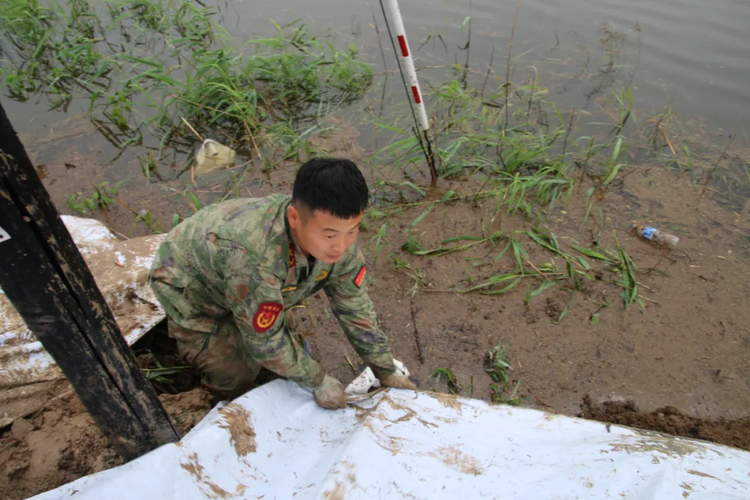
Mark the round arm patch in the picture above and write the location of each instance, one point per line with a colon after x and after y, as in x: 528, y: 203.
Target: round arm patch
x: 267, y: 314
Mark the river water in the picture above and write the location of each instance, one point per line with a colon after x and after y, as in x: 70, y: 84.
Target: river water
x: 693, y: 54
x: 690, y: 56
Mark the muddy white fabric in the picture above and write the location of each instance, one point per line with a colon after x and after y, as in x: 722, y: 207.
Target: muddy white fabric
x: 28, y: 374
x: 275, y: 443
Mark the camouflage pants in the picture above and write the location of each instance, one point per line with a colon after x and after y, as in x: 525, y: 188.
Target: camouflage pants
x: 208, y: 339
x: 221, y: 358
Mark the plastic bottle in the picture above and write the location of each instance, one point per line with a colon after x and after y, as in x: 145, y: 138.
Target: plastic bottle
x: 652, y: 234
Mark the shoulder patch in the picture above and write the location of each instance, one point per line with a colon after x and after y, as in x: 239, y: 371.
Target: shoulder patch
x: 267, y: 314
x: 360, y: 277
x: 292, y: 258
x: 323, y: 275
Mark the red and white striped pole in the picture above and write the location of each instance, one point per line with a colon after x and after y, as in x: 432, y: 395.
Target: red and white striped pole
x: 408, y: 63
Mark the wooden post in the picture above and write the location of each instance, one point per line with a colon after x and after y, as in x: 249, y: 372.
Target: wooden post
x: 46, y: 279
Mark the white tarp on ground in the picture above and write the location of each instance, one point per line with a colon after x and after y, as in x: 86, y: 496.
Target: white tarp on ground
x: 28, y: 374
x: 275, y: 443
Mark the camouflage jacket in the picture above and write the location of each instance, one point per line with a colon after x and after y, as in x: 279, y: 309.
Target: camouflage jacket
x: 240, y: 257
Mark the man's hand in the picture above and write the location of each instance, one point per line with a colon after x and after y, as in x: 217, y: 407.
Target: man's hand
x: 330, y: 394
x: 397, y: 380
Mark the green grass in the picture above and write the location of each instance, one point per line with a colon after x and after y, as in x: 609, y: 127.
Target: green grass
x: 446, y: 374
x: 456, y: 244
x: 498, y: 367
x: 149, y: 220
x: 528, y: 163
x: 145, y: 64
x: 103, y: 197
x: 575, y: 275
x: 287, y: 76
x: 574, y: 270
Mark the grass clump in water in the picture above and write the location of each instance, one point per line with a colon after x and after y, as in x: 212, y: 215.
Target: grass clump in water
x: 291, y: 76
x: 144, y: 64
x: 518, y: 164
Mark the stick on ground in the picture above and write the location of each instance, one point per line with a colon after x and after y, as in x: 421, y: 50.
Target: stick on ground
x: 416, y: 334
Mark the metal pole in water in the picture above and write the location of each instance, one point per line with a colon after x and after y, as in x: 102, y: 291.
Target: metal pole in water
x: 409, y: 74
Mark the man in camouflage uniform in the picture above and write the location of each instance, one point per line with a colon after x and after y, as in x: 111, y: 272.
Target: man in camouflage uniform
x: 228, y: 276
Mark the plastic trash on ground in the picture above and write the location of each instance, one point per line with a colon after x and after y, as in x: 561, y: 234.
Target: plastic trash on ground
x: 657, y: 236
x: 213, y: 156
x: 367, y: 379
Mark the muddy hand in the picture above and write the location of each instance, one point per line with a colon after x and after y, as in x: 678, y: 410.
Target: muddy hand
x: 330, y: 394
x: 398, y: 381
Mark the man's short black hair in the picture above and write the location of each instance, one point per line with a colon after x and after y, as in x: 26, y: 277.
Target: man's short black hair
x: 332, y: 185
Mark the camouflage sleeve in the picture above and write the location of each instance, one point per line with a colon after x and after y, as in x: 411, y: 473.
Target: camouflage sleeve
x: 257, y: 306
x: 352, y: 306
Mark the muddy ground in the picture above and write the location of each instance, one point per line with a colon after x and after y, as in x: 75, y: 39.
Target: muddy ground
x: 61, y: 443
x: 679, y: 364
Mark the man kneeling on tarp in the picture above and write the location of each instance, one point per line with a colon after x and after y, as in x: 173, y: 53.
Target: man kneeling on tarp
x: 228, y: 277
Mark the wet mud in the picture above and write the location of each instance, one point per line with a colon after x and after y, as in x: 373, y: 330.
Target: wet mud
x: 61, y: 443
x: 680, y: 363
x: 670, y: 420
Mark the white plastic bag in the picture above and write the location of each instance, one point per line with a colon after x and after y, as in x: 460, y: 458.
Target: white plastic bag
x: 212, y: 156
x: 367, y: 379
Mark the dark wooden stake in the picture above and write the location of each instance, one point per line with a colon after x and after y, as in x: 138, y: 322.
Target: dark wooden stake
x: 46, y: 279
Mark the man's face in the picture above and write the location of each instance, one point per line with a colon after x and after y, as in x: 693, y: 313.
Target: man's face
x: 322, y: 235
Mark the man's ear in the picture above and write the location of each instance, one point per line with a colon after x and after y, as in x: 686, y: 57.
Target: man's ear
x: 294, y: 217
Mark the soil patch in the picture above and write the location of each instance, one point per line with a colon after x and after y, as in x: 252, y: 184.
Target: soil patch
x: 686, y: 347
x: 670, y: 420
x: 238, y: 421
x: 61, y: 443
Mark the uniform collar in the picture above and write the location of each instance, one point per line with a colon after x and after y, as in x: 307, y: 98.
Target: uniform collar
x: 296, y: 258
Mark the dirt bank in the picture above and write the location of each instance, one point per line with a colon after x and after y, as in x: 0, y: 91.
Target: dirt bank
x: 670, y: 420
x: 61, y: 443
x: 686, y: 347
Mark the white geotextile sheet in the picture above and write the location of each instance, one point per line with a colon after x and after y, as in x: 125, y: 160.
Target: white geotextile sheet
x: 275, y: 443
x: 28, y: 374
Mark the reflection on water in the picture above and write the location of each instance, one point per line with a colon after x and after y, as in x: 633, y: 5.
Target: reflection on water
x: 696, y: 51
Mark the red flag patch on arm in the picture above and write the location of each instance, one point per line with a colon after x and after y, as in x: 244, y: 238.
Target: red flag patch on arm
x: 267, y: 314
x: 360, y: 277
